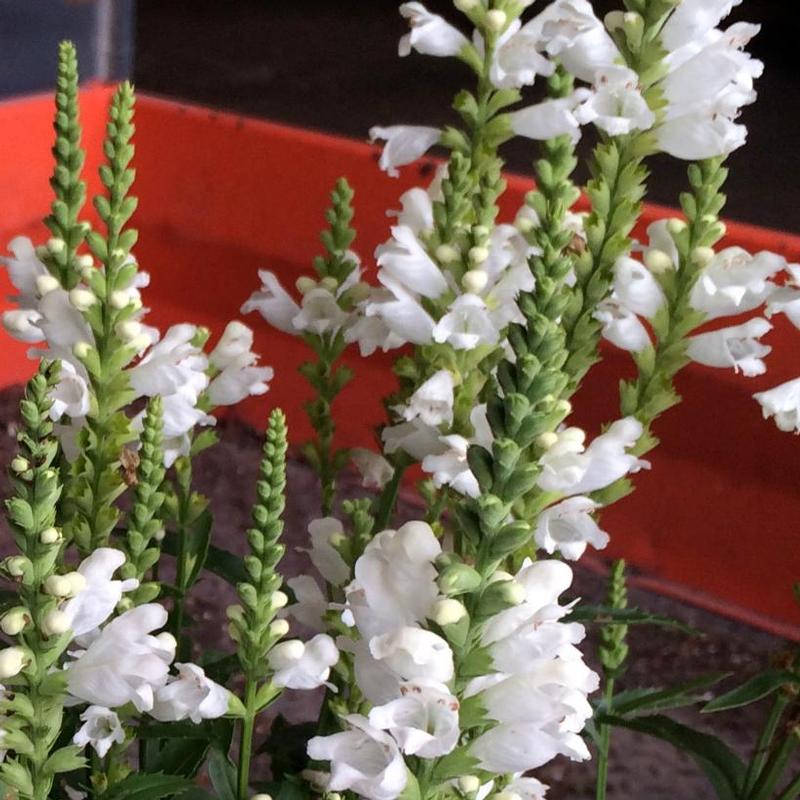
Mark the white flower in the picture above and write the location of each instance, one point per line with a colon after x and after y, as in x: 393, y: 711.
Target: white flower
x: 430, y: 34
x: 570, y: 30
x: 433, y: 401
x: 397, y: 577
x: 636, y: 288
x: 101, y: 729
x: 311, y: 604
x: 404, y: 144
x: 363, y: 759
x: 190, y: 695
x: 783, y: 403
x: 404, y: 260
x: 414, y: 654
x: 451, y: 467
x: 375, y: 470
x: 517, y: 60
x: 568, y: 527
x: 70, y: 395
x: 320, y: 313
x: 786, y: 299
x: 180, y: 416
x: 736, y: 346
x: 324, y: 556
x: 62, y: 324
x: 735, y: 282
x: 303, y: 666
x: 416, y: 212
x: 616, y: 106
x: 550, y: 118
x: 621, y: 326
x: 92, y: 606
x: 467, y: 324
x: 661, y: 246
x: 274, y: 303
x: 400, y: 314
x: 124, y: 664
x: 692, y: 19
x: 699, y: 135
x: 569, y: 468
x: 238, y: 376
x: 415, y: 438
x: 23, y: 324
x: 528, y: 788
x: 424, y: 721
x: 24, y: 268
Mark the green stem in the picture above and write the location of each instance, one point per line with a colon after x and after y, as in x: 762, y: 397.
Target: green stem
x: 605, y: 744
x: 774, y: 768
x: 183, y: 491
x: 246, y: 742
x: 764, y: 741
x: 385, y: 503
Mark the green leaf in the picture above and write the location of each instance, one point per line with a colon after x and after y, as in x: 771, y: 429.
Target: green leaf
x: 758, y: 687
x: 146, y: 786
x: 637, y: 702
x: 222, y: 774
x: 721, y: 766
x: 65, y: 759
x: 198, y: 540
x: 221, y: 562
x: 605, y: 615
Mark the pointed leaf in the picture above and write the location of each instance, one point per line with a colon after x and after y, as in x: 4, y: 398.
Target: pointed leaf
x: 758, y: 687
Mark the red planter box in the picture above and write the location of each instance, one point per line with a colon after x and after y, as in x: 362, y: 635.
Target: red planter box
x: 221, y: 196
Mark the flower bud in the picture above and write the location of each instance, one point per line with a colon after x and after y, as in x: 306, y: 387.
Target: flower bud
x: 85, y: 261
x: 523, y: 225
x: 505, y: 796
x: 329, y: 283
x: 55, y: 622
x: 573, y: 434
x: 614, y: 20
x: 500, y: 575
x: 474, y: 281
x: 56, y: 245
x: 279, y: 628
x: 263, y: 796
x: 140, y: 342
x: 496, y: 20
x: 466, y: 5
x: 46, y: 284
x: 676, y: 226
x: 128, y: 330
x: 15, y: 621
x: 234, y: 612
x: 119, y: 299
x: 82, y: 299
x: 564, y: 407
x: 477, y: 255
x: 447, y: 612
x: 657, y: 261
x: 77, y: 583
x: 701, y: 256
x: 58, y: 586
x: 50, y: 536
x: 279, y: 599
x: 513, y: 592
x: 20, y: 465
x: 546, y: 440
x: 81, y: 350
x: 159, y: 535
x: 469, y: 784
x: 305, y: 284
x: 17, y: 566
x: 458, y: 578
x: 12, y: 660
x: 447, y: 254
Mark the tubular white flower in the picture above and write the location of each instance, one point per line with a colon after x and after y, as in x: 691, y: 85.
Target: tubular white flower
x: 416, y: 212
x: 430, y: 34
x: 124, y: 664
x: 274, y: 303
x: 402, y: 319
x: 324, y: 556
x: 735, y: 282
x: 692, y: 19
x: 414, y: 654
x: 311, y: 604
x: 190, y: 695
x: 404, y: 260
x: 616, y: 106
x: 423, y: 721
x: 234, y: 358
x: 404, y: 144
x: 415, y: 438
x: 375, y: 470
x: 528, y: 788
x: 320, y: 313
x: 24, y: 269
x: 550, y: 118
x: 621, y: 326
x: 433, y: 401
x: 636, y: 288
x: 568, y: 527
x: 736, y: 346
x: 101, y: 729
x: 23, y: 324
x: 303, y: 666
x: 517, y: 60
x: 783, y: 404
x: 451, y: 467
x: 70, y: 395
x: 569, y: 468
x: 363, y: 759
x: 92, y: 606
x: 467, y: 324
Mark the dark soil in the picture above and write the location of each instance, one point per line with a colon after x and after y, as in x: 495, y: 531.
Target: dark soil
x: 642, y: 768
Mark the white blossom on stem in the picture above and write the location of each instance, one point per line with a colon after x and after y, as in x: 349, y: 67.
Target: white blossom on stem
x: 737, y: 346
x: 568, y: 527
x: 404, y: 144
x: 430, y: 34
x: 274, y: 303
x: 299, y: 665
x: 101, y: 729
x: 190, y: 695
x: 782, y: 403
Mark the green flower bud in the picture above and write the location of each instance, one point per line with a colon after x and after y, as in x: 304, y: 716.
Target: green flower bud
x: 50, y: 536
x: 58, y: 586
x: 55, y: 622
x: 702, y: 256
x: 56, y: 245
x: 469, y: 784
x: 447, y: 612
x: 278, y: 599
x: 20, y: 465
x: 82, y: 299
x: 12, y: 660
x: 477, y: 255
x: 447, y: 254
x: 459, y: 578
x: 305, y: 284
x: 15, y: 621
x: 496, y: 20
x: 46, y: 284
x: 474, y: 281
x: 279, y: 628
x: 17, y: 566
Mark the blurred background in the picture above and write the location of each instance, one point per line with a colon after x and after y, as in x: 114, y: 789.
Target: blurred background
x: 333, y: 66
